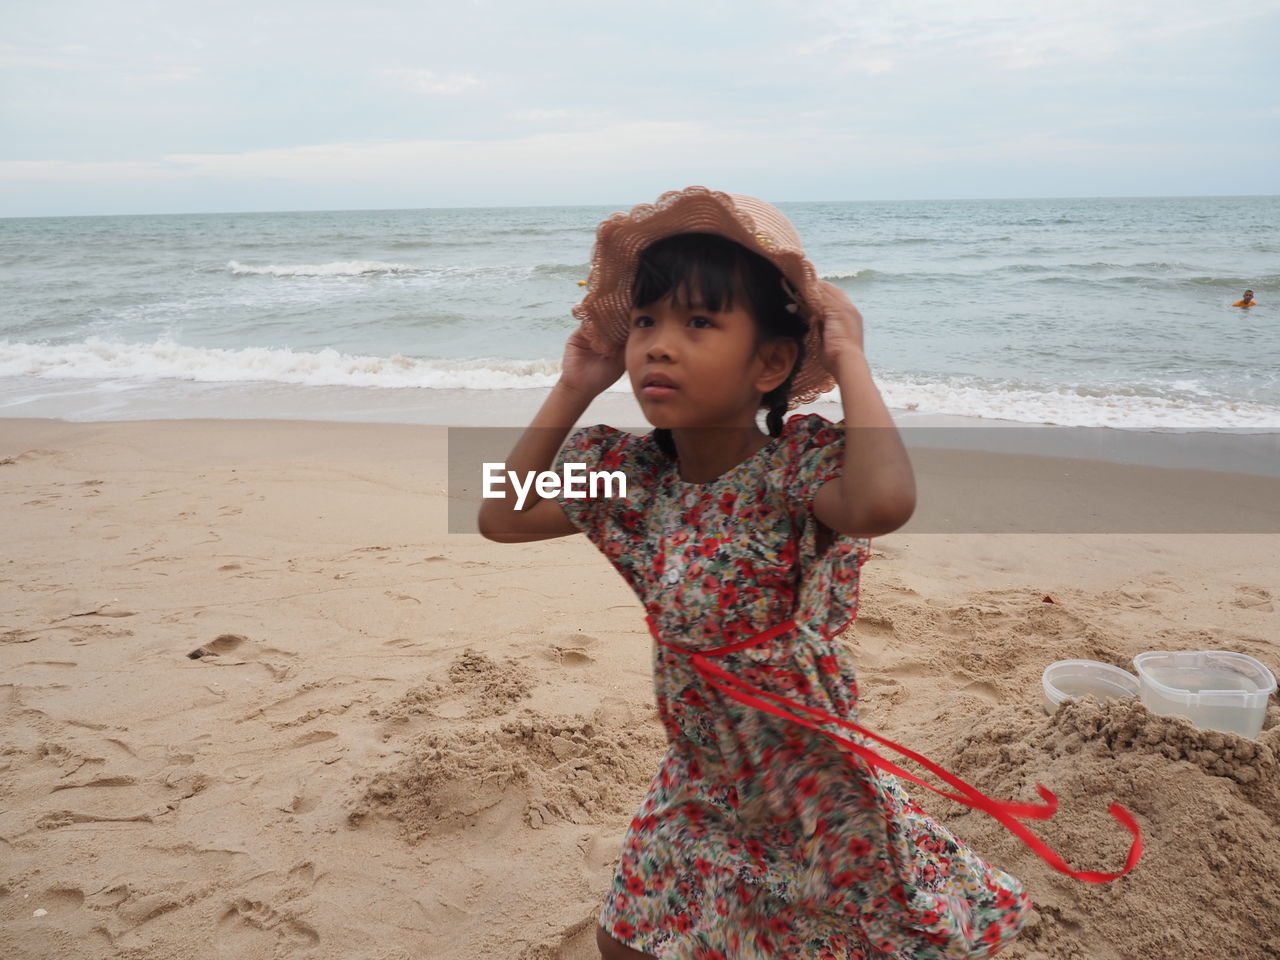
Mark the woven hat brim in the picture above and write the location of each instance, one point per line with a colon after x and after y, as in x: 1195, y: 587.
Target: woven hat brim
x: 605, y: 312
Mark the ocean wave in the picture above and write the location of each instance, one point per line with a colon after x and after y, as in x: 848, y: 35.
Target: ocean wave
x: 1097, y: 266
x: 858, y: 276
x: 96, y: 359
x: 1174, y: 273
x: 1234, y: 283
x: 585, y: 230
x: 350, y: 268
x: 574, y: 270
x: 417, y: 244
x: 1182, y: 406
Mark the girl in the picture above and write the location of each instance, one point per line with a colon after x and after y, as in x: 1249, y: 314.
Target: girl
x: 761, y: 835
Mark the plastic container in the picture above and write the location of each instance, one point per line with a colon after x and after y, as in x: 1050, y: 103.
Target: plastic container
x: 1215, y: 689
x: 1075, y: 679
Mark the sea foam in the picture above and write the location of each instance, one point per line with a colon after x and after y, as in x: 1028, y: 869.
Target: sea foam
x: 1185, y: 405
x: 96, y: 359
x: 351, y: 268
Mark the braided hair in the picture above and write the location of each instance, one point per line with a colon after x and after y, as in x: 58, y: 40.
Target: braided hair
x: 715, y: 271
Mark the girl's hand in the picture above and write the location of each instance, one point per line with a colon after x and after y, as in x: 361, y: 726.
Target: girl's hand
x: 585, y: 370
x: 841, y: 328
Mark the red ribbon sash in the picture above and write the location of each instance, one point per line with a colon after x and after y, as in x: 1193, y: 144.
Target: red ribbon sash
x: 1007, y: 813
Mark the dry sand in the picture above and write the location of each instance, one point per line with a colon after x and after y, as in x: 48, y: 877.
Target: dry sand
x: 395, y: 742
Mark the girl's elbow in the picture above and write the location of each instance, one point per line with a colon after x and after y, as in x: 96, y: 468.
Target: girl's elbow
x: 888, y: 514
x: 491, y: 527
x: 899, y: 510
x: 871, y: 515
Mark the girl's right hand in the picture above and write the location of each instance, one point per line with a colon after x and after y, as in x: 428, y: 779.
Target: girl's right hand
x: 587, y: 371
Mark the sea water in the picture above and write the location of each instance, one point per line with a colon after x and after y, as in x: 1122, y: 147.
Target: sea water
x: 1083, y: 312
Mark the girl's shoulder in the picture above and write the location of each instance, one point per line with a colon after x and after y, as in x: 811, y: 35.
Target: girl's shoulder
x: 603, y: 447
x: 804, y: 430
x: 811, y: 453
x: 608, y: 512
x: 804, y: 435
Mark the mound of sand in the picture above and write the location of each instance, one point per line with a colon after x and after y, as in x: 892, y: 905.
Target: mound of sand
x: 547, y: 769
x: 1208, y: 804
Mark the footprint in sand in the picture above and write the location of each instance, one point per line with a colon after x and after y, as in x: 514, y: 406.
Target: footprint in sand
x: 263, y: 915
x: 220, y: 645
x: 55, y: 898
x: 66, y: 909
x: 874, y: 629
x: 600, y: 852
x: 233, y: 650
x: 1254, y: 598
x: 570, y: 649
x: 255, y: 918
x: 876, y: 644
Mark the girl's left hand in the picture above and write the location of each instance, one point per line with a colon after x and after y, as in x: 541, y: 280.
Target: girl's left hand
x: 841, y: 328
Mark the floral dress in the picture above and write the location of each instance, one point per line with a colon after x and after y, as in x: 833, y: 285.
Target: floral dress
x: 759, y: 837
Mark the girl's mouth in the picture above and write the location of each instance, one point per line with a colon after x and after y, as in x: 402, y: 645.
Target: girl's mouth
x: 657, y: 385
x: 657, y: 390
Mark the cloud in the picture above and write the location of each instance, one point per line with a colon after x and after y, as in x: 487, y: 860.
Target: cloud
x: 910, y: 98
x: 1004, y: 36
x: 66, y: 56
x: 428, y: 82
x: 20, y: 172
x: 175, y: 73
x: 39, y: 62
x: 409, y: 158
x: 668, y: 150
x: 150, y: 68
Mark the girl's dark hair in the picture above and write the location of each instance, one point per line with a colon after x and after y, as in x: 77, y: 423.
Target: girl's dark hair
x: 709, y: 269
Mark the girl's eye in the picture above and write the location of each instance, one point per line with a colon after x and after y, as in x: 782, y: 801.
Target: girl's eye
x: 642, y: 321
x: 700, y: 322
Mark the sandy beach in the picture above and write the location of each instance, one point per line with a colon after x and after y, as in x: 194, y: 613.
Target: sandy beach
x: 258, y: 702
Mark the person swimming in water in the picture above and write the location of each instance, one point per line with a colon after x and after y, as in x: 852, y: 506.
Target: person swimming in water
x: 1246, y: 301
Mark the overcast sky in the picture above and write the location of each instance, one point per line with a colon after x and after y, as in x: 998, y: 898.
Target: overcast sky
x: 124, y: 106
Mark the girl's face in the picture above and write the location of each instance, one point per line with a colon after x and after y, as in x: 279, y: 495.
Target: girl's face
x: 690, y: 366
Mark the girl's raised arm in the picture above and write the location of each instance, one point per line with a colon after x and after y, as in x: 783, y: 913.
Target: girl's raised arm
x: 876, y: 493
x: 585, y: 374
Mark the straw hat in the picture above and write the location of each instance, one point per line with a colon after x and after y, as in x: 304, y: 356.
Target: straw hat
x: 605, y: 312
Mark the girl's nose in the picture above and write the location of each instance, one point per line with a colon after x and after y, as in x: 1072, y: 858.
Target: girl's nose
x: 658, y: 351
x: 658, y: 347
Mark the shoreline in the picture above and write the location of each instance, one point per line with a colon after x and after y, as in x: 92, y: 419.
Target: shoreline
x: 1231, y: 451
x: 96, y: 400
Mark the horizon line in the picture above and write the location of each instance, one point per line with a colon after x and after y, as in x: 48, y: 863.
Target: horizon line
x: 573, y: 206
